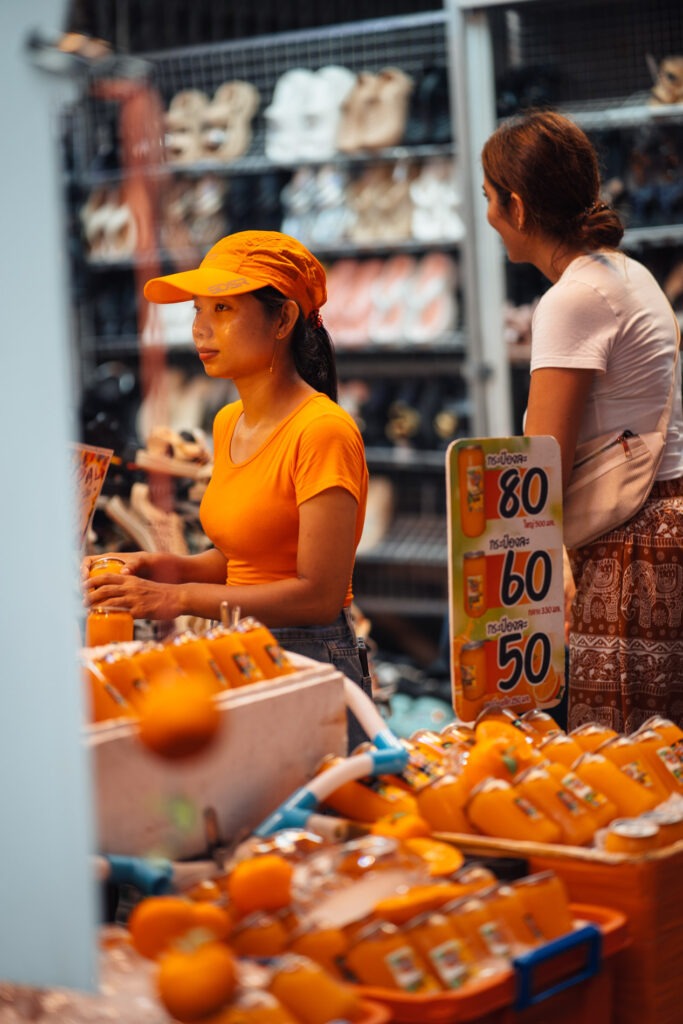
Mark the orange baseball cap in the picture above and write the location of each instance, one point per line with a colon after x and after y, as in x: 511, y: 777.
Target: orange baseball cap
x: 243, y: 262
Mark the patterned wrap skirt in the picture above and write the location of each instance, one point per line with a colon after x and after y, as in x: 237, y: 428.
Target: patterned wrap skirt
x: 626, y: 633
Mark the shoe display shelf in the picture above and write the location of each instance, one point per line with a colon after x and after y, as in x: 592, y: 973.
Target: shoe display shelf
x: 344, y: 136
x: 617, y: 70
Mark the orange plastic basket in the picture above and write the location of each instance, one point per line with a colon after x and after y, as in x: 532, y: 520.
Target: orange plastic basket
x: 566, y: 981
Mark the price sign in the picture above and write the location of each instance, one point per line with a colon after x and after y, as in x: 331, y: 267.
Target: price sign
x: 506, y: 592
x: 89, y: 467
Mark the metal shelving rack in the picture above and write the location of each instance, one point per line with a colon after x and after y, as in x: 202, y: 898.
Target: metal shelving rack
x: 406, y: 573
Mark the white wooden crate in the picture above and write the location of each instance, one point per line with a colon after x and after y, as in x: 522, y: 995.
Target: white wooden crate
x: 273, y: 736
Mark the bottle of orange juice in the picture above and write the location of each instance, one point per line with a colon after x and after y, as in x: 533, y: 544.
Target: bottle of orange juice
x: 367, y: 799
x: 326, y: 945
x: 154, y: 661
x: 562, y: 748
x: 600, y: 806
x: 540, y: 722
x: 505, y: 904
x: 107, y: 624
x: 381, y: 956
x: 272, y: 659
x: 123, y: 674
x: 311, y: 994
x: 229, y: 650
x: 486, y: 934
x: 495, y: 808
x: 592, y: 735
x: 104, y: 700
x: 667, y: 729
x: 541, y: 788
x: 442, y: 947
x: 634, y: 836
x: 661, y: 758
x: 546, y: 903
x: 194, y: 656
x: 629, y: 796
x: 634, y: 761
x: 442, y: 804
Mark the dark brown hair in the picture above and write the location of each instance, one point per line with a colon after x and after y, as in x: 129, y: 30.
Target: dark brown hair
x: 311, y: 346
x: 553, y: 167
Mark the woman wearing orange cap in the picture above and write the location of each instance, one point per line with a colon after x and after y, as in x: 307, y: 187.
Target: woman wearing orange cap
x: 285, y: 505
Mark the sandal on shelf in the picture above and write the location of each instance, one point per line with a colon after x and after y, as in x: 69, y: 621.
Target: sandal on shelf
x: 387, y: 319
x: 285, y: 116
x: 322, y: 112
x: 387, y: 113
x: 225, y: 127
x: 182, y: 138
x: 432, y: 301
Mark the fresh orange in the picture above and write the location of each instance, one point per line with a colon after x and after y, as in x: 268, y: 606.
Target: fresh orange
x: 441, y: 859
x: 192, y: 984
x: 157, y: 921
x: 261, y: 883
x: 401, y: 825
x: 178, y: 717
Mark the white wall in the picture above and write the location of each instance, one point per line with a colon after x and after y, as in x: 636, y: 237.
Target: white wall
x: 47, y: 896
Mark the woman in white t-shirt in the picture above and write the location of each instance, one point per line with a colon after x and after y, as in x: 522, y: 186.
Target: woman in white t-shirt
x: 602, y: 356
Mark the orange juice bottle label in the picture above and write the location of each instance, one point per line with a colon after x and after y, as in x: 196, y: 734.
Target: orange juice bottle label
x: 474, y: 583
x: 473, y: 670
x: 247, y: 667
x: 671, y: 762
x: 583, y: 791
x: 493, y: 938
x: 527, y: 808
x: 471, y: 483
x: 635, y: 771
x: 448, y: 963
x: 568, y: 801
x: 404, y: 970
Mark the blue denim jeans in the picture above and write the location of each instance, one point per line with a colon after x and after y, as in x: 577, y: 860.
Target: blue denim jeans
x: 335, y: 644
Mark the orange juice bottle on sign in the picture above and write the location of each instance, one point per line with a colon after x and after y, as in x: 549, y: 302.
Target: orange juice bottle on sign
x: 661, y: 758
x: 541, y: 788
x: 230, y: 653
x: 495, y: 808
x: 442, y: 947
x: 546, y: 903
x: 194, y: 656
x: 473, y: 670
x: 264, y: 648
x: 629, y: 796
x: 381, y: 956
x: 474, y: 583
x: 600, y: 806
x: 471, y: 485
x: 633, y: 761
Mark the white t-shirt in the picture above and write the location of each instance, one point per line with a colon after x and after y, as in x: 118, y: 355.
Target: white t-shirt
x: 607, y: 313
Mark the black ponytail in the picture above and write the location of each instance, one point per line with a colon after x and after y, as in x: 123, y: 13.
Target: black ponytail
x: 311, y: 346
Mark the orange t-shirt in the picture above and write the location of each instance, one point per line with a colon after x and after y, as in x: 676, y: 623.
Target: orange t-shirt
x: 250, y: 510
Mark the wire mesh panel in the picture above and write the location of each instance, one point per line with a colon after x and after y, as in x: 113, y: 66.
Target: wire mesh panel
x: 588, y: 51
